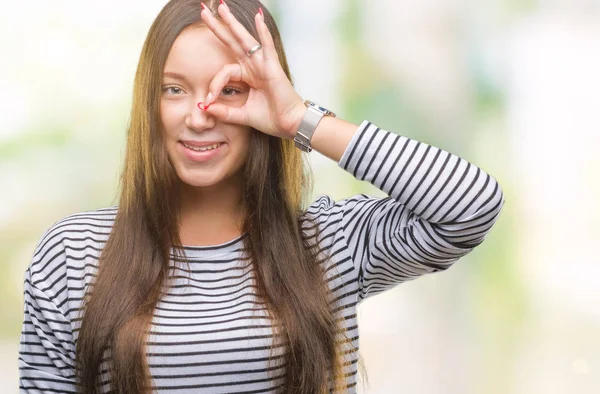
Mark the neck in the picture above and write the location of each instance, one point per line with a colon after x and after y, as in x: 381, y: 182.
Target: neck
x: 211, y: 215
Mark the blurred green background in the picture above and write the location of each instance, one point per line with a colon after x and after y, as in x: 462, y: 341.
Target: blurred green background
x: 510, y: 85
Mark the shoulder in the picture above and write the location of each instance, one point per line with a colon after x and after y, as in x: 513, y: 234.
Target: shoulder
x: 77, y: 233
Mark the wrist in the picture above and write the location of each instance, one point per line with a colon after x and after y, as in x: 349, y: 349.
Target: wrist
x: 296, y: 114
x: 310, y: 121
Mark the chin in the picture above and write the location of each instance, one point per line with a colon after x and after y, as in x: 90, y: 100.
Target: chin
x: 220, y: 172
x: 199, y: 180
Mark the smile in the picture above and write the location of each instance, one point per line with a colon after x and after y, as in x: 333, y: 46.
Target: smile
x: 203, y: 148
x: 201, y: 153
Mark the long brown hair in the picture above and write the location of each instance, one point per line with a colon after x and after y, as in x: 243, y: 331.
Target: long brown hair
x: 134, y: 263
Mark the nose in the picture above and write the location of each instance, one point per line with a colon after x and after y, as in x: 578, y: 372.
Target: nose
x: 198, y: 119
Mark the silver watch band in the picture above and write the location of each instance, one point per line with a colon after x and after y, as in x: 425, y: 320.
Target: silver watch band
x: 308, y: 125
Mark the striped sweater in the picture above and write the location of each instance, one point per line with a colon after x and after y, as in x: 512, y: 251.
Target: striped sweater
x: 209, y: 334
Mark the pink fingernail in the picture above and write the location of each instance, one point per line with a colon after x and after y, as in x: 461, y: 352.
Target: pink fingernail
x: 261, y: 12
x: 203, y: 5
x: 222, y: 2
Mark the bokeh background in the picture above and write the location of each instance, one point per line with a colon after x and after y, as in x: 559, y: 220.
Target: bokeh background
x: 510, y: 85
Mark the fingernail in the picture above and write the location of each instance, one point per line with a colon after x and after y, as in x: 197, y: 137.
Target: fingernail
x: 261, y: 13
x: 201, y: 106
x: 203, y: 5
x: 209, y: 99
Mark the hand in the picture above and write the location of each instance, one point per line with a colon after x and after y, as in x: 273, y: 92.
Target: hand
x: 273, y: 106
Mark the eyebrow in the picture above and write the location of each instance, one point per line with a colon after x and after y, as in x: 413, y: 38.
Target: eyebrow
x: 182, y: 77
x: 174, y: 75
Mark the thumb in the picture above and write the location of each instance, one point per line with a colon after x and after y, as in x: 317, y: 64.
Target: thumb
x: 227, y: 114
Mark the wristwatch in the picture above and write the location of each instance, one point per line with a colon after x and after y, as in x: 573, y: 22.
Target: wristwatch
x: 311, y: 119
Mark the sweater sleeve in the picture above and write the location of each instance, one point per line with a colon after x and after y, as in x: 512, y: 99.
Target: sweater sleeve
x: 439, y: 207
x: 46, y: 349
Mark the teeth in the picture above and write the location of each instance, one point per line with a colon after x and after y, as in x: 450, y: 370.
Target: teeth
x: 202, y: 149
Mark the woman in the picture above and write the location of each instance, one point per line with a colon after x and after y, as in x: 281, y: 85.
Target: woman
x: 212, y: 275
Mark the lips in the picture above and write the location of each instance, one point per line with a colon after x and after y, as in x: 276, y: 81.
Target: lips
x: 201, y: 152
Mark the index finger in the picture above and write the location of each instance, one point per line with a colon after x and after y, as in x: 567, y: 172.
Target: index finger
x: 229, y: 72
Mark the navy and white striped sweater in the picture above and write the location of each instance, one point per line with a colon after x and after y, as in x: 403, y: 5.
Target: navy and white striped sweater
x: 210, y: 334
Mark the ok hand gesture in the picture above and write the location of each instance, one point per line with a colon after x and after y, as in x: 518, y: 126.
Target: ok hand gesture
x: 273, y: 106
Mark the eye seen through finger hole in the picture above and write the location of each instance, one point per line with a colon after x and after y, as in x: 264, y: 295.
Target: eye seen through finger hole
x: 234, y: 95
x: 229, y: 91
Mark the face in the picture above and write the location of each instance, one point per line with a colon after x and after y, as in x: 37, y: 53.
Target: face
x: 204, y: 151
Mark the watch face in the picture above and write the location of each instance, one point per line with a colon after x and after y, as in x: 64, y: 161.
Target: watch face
x: 323, y: 110
x: 318, y: 107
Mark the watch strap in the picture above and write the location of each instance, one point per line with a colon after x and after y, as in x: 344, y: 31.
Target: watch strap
x: 308, y: 125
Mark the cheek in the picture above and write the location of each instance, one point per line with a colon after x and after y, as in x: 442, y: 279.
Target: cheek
x: 170, y: 116
x: 239, y: 151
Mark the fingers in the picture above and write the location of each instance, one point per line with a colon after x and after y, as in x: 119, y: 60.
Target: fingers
x: 266, y: 39
x: 244, y: 38
x: 228, y: 114
x: 222, y: 32
x: 233, y: 34
x: 229, y: 72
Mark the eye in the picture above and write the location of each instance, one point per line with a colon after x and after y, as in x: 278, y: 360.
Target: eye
x: 172, y: 89
x: 229, y: 91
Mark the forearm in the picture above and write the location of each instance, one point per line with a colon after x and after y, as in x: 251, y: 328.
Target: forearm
x: 433, y: 183
x: 436, y: 185
x: 332, y: 136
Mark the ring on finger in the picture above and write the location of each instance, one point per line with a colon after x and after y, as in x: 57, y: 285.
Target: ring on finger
x: 254, y: 49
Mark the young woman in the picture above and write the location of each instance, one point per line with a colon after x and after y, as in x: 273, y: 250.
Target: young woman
x: 213, y: 275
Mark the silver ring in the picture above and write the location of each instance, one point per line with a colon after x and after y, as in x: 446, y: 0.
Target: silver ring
x: 253, y: 49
